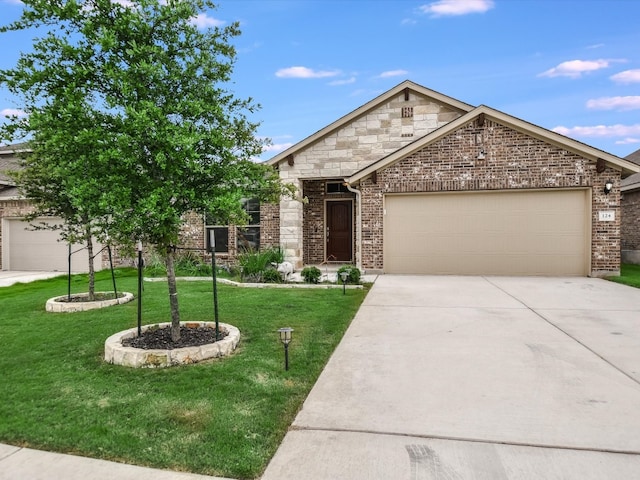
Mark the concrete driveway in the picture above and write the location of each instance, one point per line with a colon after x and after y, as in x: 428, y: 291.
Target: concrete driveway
x: 10, y: 277
x: 477, y: 378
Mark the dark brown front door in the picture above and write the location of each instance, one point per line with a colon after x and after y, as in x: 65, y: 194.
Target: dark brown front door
x: 339, y: 228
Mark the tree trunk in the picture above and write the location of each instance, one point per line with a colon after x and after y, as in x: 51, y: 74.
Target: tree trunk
x: 173, y: 296
x: 92, y: 273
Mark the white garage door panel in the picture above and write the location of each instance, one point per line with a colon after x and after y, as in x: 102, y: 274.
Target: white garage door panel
x: 29, y: 250
x: 491, y: 233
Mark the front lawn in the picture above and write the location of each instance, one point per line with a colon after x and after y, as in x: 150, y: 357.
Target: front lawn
x: 629, y: 275
x: 223, y: 418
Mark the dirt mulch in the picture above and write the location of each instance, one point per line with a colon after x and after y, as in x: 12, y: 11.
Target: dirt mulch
x: 160, y: 338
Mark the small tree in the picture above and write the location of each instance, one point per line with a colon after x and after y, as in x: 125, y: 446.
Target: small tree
x: 162, y: 134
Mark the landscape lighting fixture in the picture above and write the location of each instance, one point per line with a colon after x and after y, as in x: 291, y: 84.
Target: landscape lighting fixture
x: 285, y: 338
x: 344, y: 276
x: 607, y: 187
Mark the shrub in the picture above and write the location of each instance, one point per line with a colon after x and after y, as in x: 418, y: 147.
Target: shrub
x: 271, y: 275
x: 354, y: 273
x: 311, y: 274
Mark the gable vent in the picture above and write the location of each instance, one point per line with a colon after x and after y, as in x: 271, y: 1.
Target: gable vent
x: 407, y: 112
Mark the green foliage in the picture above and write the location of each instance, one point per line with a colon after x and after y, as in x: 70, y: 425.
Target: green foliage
x: 354, y: 274
x: 223, y: 418
x: 187, y: 264
x: 131, y: 121
x: 253, y: 264
x: 311, y: 274
x: 271, y: 275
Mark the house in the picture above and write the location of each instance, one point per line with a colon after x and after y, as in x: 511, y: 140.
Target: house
x: 415, y: 182
x: 630, y: 206
x: 22, y: 247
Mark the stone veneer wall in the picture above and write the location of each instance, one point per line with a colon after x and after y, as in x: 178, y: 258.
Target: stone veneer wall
x: 513, y: 161
x: 630, y: 230
x: 347, y: 150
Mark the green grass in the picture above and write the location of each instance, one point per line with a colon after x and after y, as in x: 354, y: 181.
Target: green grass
x: 629, y: 275
x: 224, y: 417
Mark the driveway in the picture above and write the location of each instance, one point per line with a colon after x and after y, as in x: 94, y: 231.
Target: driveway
x: 10, y: 277
x: 476, y: 377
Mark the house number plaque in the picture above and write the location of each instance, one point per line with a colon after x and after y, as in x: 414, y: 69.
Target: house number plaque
x: 606, y: 215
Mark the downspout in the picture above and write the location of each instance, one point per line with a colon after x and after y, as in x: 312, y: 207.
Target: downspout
x: 358, y: 224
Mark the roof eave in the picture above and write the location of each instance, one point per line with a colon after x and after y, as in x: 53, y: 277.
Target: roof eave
x: 593, y: 154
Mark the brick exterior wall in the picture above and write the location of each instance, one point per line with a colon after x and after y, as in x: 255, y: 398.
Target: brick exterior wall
x: 512, y: 161
x: 630, y: 230
x: 269, y: 225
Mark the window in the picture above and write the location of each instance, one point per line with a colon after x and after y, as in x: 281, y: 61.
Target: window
x: 337, y: 187
x: 247, y: 236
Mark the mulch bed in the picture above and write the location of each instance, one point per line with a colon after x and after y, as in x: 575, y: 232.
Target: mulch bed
x: 160, y: 338
x: 84, y: 297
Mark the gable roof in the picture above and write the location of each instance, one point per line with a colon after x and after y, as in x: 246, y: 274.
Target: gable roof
x: 358, y: 112
x: 632, y: 182
x: 625, y: 166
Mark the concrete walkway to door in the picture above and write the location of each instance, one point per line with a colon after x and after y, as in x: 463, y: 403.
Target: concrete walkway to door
x: 477, y: 378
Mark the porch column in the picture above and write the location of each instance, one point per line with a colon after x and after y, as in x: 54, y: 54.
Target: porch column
x: 291, y: 239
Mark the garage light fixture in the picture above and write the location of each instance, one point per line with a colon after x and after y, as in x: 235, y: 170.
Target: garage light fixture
x: 607, y: 187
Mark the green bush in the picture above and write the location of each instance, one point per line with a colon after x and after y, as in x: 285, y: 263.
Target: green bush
x: 311, y: 274
x: 254, y: 264
x: 271, y: 275
x: 354, y: 274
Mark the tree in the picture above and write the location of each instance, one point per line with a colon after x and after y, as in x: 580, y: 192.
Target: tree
x: 141, y: 95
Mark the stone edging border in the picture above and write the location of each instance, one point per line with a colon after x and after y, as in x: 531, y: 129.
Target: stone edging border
x: 118, y: 354
x: 225, y: 281
x: 55, y: 305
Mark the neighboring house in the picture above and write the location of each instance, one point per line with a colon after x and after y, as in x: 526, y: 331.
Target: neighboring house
x: 630, y: 205
x: 415, y: 182
x: 22, y: 247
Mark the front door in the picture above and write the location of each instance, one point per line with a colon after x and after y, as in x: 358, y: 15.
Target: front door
x: 339, y: 231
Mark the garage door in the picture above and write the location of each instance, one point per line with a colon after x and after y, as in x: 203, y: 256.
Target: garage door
x: 488, y: 233
x: 29, y: 250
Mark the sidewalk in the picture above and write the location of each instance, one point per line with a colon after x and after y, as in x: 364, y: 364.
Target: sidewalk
x: 26, y: 464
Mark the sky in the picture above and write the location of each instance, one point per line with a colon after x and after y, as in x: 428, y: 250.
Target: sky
x: 568, y: 66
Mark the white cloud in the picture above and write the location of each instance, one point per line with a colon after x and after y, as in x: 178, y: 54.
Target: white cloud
x: 304, y: 72
x: 202, y: 20
x: 628, y: 141
x: 345, y: 81
x: 443, y: 8
x: 628, y: 76
x: 600, y: 131
x: 393, y: 73
x: 615, y: 103
x: 12, y: 2
x: 12, y: 112
x: 276, y: 147
x: 575, y: 68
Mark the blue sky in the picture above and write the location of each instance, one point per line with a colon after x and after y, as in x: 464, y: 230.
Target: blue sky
x: 570, y: 66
